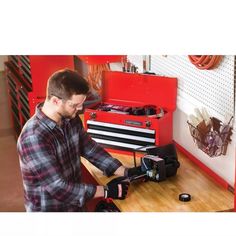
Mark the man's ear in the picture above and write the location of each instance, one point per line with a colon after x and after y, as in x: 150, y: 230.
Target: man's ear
x: 55, y: 100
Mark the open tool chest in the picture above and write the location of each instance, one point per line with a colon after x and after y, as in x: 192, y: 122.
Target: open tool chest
x: 136, y: 110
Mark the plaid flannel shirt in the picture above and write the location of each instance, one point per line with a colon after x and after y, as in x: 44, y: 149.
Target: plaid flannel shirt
x: 51, y: 165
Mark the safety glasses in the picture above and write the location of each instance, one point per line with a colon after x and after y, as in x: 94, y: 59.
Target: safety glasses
x: 71, y: 104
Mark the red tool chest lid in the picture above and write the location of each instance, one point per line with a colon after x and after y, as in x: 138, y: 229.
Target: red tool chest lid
x: 139, y: 89
x: 101, y: 59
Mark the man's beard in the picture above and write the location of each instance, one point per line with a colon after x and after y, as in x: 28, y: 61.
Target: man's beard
x: 66, y: 115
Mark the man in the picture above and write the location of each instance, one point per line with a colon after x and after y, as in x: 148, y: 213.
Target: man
x: 50, y: 146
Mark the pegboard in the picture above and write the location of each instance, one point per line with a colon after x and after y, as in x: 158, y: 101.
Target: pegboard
x: 137, y: 61
x: 213, y: 89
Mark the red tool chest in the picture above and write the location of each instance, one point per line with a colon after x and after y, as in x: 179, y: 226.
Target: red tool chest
x: 127, y: 130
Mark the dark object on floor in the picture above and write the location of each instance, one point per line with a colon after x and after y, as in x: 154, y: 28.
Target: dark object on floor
x: 158, y: 164
x: 169, y: 155
x: 184, y: 197
x: 106, y: 206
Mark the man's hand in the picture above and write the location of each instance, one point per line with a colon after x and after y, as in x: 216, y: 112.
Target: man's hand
x: 117, y: 188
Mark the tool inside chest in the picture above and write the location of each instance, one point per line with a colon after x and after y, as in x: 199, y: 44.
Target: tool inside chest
x: 136, y: 110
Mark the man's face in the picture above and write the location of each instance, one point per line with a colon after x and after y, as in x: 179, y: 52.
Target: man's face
x: 71, y: 107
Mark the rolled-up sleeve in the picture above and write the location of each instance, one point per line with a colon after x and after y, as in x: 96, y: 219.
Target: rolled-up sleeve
x: 97, y: 155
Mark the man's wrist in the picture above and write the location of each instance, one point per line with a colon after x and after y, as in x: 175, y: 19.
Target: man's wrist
x: 99, y: 191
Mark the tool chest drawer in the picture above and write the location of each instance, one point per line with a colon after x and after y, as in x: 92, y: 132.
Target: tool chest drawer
x: 136, y: 110
x: 120, y: 135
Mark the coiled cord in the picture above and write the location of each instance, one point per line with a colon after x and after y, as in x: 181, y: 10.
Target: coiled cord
x: 205, y: 62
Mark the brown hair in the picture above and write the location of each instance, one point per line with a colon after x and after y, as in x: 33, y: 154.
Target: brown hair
x: 65, y: 83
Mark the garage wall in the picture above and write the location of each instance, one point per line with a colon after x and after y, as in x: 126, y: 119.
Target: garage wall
x: 213, y: 89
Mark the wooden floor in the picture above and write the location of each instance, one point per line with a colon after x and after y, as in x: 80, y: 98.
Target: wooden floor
x: 207, y: 195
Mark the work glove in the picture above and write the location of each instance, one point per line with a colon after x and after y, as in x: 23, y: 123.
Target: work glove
x: 117, y: 188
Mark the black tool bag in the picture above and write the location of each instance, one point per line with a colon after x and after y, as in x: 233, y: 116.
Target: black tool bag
x: 169, y: 155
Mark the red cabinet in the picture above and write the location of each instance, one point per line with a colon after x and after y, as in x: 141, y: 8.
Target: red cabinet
x: 27, y: 78
x: 128, y: 91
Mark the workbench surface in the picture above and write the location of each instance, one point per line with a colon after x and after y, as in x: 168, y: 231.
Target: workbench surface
x: 207, y: 195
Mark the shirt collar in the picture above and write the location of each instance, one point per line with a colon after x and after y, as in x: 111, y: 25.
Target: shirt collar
x: 42, y: 117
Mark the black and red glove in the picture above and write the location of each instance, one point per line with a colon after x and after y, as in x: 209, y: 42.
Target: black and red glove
x: 117, y: 188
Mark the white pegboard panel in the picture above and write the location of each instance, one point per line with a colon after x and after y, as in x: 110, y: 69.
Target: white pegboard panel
x: 213, y: 89
x: 137, y: 61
